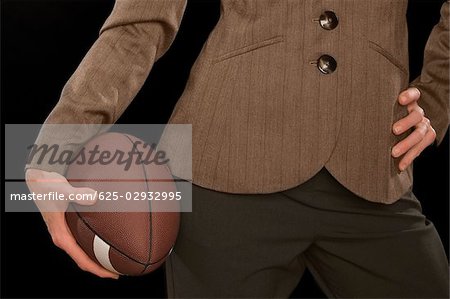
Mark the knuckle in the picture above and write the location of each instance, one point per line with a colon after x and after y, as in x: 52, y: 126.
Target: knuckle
x: 422, y: 128
x: 432, y: 131
x: 57, y: 241
x: 418, y: 114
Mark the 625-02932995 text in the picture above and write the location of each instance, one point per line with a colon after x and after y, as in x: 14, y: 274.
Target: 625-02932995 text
x: 106, y: 196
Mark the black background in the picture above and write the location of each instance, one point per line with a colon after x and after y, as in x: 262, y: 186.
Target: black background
x: 42, y: 43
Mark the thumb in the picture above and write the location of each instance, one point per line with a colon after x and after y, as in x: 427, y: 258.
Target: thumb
x: 83, y: 196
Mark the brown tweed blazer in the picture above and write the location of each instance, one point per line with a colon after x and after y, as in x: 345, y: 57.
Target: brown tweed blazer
x: 264, y: 117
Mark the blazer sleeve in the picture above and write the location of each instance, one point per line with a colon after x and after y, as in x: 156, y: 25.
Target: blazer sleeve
x: 433, y: 81
x: 133, y: 37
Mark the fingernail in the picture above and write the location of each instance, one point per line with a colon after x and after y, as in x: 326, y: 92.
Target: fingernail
x: 394, y: 151
x: 397, y: 130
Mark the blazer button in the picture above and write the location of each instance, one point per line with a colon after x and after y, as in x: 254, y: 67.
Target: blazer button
x: 328, y: 20
x: 326, y: 64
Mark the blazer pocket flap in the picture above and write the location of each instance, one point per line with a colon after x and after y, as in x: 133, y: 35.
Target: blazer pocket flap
x: 249, y: 48
x: 386, y: 54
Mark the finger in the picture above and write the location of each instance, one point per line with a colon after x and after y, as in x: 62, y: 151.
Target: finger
x: 414, y: 138
x: 81, y: 196
x: 84, y: 262
x: 52, y: 220
x: 417, y: 149
x: 408, y: 122
x: 408, y: 96
x: 63, y: 238
x: 84, y: 196
x: 414, y: 106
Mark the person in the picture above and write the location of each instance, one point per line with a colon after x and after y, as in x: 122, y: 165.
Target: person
x: 305, y: 129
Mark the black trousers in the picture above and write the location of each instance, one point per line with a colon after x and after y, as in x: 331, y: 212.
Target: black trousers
x: 238, y: 246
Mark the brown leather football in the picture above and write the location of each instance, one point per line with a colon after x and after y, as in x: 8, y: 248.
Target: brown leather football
x: 129, y: 230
